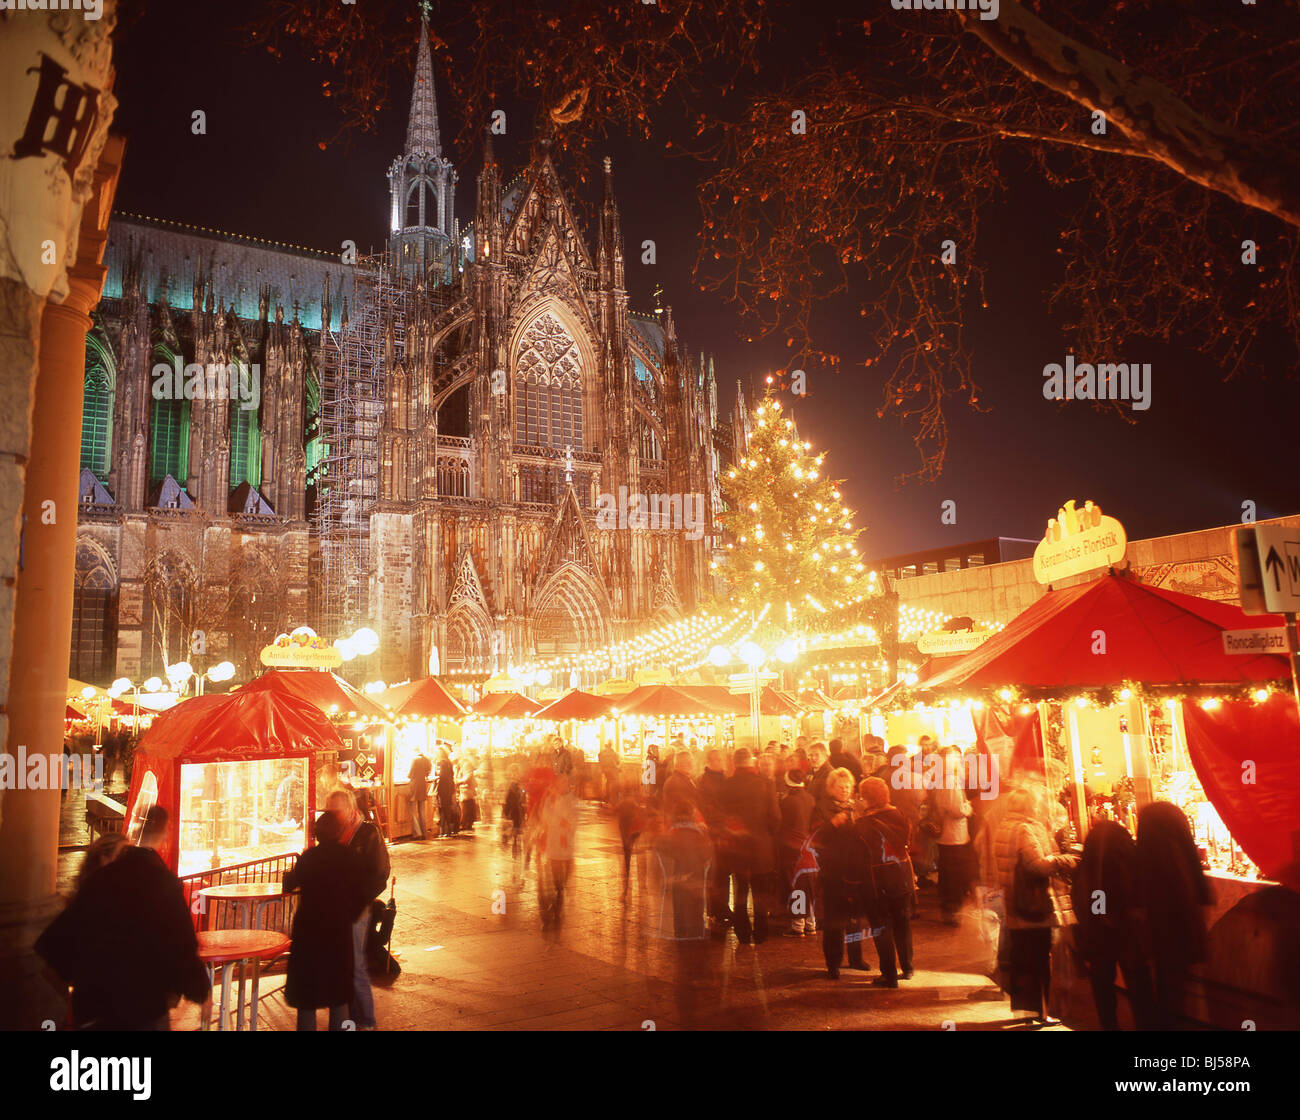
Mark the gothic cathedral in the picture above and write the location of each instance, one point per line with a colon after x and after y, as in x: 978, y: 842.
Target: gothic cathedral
x: 429, y: 441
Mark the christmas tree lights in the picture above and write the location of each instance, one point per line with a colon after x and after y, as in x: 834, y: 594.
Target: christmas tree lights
x: 793, y: 544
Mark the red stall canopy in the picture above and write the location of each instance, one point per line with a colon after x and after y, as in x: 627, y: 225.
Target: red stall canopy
x: 240, y: 726
x: 577, y: 705
x: 660, y: 700
x: 506, y: 705
x: 423, y: 699
x: 327, y: 691
x: 1110, y: 631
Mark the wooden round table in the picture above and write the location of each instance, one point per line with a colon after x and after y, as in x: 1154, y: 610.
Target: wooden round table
x: 251, y: 898
x: 231, y: 948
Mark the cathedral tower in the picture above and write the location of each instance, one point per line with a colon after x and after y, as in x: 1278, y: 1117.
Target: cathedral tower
x: 422, y: 182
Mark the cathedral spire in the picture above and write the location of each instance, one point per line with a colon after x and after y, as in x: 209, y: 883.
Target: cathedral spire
x: 422, y: 182
x: 610, y: 247
x: 422, y: 129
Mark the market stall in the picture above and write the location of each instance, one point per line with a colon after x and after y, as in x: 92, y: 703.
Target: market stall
x: 236, y: 775
x: 417, y: 712
x: 1111, y: 670
x: 499, y: 722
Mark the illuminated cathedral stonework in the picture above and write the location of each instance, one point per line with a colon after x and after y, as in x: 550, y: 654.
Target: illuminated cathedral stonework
x: 435, y: 431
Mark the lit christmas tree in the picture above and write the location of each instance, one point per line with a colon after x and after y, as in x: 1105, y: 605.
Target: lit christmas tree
x: 792, y: 544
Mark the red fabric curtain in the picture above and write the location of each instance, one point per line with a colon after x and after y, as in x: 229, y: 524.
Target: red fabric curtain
x: 1011, y: 737
x: 1260, y: 804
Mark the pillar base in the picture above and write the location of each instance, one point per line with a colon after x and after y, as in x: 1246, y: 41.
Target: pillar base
x: 32, y: 996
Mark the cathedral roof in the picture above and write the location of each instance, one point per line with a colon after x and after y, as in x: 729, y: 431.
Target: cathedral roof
x: 237, y: 266
x: 651, y: 331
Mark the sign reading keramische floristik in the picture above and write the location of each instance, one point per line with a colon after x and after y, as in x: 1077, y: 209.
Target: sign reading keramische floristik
x: 1078, y: 541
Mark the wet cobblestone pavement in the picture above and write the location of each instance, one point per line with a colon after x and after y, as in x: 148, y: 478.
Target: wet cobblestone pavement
x: 605, y: 968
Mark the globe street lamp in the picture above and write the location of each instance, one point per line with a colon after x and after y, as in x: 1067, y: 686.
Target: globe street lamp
x: 755, y: 657
x: 121, y: 685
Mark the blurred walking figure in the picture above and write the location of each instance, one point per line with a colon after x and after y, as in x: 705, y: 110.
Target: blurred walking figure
x: 126, y: 943
x: 1108, y: 935
x: 559, y: 828
x: 366, y: 843
x: 844, y: 874
x: 1027, y: 867
x: 749, y: 804
x: 418, y: 794
x: 883, y: 831
x: 448, y: 813
x: 632, y: 814
x: 513, y: 813
x: 331, y: 880
x: 1175, y: 892
x: 679, y: 789
x: 607, y: 760
x: 798, y: 883
x: 684, y: 853
x: 711, y: 785
x: 468, y: 784
x: 950, y: 808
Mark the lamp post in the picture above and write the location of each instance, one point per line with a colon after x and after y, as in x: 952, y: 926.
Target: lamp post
x: 755, y: 657
x: 219, y: 673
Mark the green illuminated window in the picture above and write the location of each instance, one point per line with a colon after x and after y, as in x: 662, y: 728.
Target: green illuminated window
x: 97, y: 408
x: 169, y: 437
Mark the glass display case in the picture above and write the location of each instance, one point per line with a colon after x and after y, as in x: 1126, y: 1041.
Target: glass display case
x: 237, y: 812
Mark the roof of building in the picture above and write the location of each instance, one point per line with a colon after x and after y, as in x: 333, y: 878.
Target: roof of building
x: 238, y: 265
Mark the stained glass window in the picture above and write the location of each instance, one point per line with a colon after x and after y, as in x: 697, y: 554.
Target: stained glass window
x: 169, y: 436
x: 245, y: 446
x: 548, y: 379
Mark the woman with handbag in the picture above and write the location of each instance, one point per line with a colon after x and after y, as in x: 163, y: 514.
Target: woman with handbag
x: 1026, y: 867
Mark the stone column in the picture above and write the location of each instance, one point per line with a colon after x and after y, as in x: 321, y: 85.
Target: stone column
x: 42, y: 619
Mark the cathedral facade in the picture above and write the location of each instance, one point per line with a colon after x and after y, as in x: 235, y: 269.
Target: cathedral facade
x: 469, y: 443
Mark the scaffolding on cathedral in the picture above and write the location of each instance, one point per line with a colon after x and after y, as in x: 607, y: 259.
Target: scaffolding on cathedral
x: 351, y: 412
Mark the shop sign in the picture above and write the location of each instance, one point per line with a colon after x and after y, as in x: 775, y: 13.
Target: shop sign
x: 939, y: 642
x: 1078, y: 541
x: 1252, y: 642
x: 1278, y: 547
x: 301, y: 651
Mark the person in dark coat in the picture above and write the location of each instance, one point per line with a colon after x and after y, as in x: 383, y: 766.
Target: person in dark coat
x: 842, y: 759
x: 126, y: 941
x: 820, y: 770
x: 680, y: 789
x: 367, y: 844
x: 752, y: 821
x: 333, y: 895
x: 684, y: 853
x: 796, y: 817
x: 884, y: 833
x: 1104, y: 893
x: 514, y: 813
x: 710, y: 787
x: 843, y: 876
x: 1175, y: 892
x: 418, y: 794
x: 448, y: 798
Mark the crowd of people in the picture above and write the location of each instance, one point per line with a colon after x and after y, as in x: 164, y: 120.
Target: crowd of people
x: 795, y: 840
x: 826, y: 839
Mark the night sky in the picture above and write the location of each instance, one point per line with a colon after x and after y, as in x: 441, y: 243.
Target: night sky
x: 1188, y: 462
